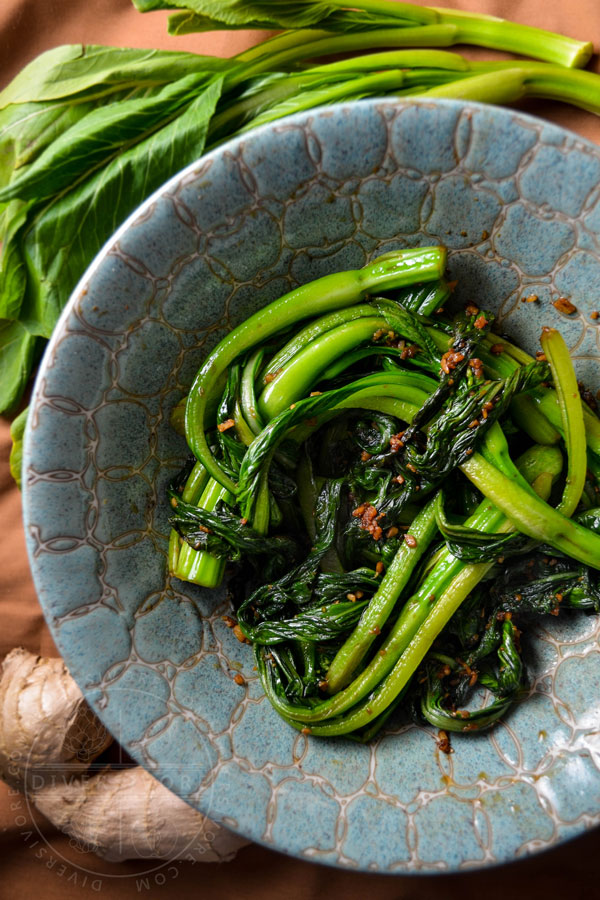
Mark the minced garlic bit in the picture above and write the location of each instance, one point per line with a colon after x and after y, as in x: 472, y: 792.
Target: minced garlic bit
x: 477, y: 367
x: 450, y: 360
x: 369, y: 519
x: 240, y: 635
x: 443, y: 742
x: 564, y: 305
x: 224, y: 426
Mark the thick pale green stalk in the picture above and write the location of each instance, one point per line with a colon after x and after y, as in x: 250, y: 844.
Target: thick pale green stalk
x: 569, y: 401
x: 469, y: 28
x: 248, y: 399
x: 529, y: 419
x: 500, y: 34
x: 423, y: 529
x: 546, y: 401
x: 396, y: 59
x: 304, y: 369
x: 199, y: 566
x: 191, y: 493
x: 507, y: 85
x: 532, y: 516
x: 311, y: 331
x: 327, y: 44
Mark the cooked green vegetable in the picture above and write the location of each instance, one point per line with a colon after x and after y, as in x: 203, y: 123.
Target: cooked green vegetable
x: 371, y: 574
x: 87, y: 133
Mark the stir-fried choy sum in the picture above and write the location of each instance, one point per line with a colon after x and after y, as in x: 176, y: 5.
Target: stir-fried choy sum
x: 398, y: 492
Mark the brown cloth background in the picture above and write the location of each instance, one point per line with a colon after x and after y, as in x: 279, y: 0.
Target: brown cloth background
x: 36, y: 861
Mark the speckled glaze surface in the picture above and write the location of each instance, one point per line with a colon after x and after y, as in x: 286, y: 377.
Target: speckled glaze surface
x: 517, y: 202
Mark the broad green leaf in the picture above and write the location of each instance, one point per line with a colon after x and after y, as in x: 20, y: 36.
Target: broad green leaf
x: 98, y: 136
x: 73, y: 69
x: 189, y: 22
x: 68, y: 233
x: 13, y: 272
x: 17, y: 348
x: 27, y: 129
x: 17, y: 432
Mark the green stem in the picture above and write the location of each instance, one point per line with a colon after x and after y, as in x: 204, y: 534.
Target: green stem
x: 529, y: 419
x: 546, y: 401
x: 199, y: 566
x: 332, y: 44
x: 501, y: 84
x: 304, y: 369
x: 450, y: 600
x: 571, y: 412
x: 419, y: 606
x: 423, y: 529
x: 248, y: 400
x: 469, y: 28
x: 315, y: 298
x: 533, y: 516
x: 313, y: 330
x: 194, y: 486
x: 428, y: 620
x: 500, y: 34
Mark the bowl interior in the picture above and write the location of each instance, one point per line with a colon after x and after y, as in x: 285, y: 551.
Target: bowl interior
x: 517, y: 204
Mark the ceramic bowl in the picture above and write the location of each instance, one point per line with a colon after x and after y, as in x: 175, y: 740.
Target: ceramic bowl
x: 517, y: 203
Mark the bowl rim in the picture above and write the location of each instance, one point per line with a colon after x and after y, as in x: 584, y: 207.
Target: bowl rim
x: 80, y: 288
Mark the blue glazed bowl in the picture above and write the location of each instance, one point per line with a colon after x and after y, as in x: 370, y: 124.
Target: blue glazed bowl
x: 517, y: 203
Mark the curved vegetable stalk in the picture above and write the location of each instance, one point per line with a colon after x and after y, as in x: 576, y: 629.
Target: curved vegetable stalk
x: 315, y: 298
x: 429, y: 621
x: 422, y: 531
x: 324, y: 295
x: 569, y: 401
x: 507, y: 85
x: 436, y: 72
x: 541, y: 465
x: 337, y: 15
x: 531, y: 515
x: 306, y: 366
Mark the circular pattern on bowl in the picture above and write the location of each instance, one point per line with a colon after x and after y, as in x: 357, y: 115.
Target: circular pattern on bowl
x: 517, y: 202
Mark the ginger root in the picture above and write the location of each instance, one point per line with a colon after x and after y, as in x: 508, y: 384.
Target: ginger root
x: 49, y: 738
x: 46, y: 727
